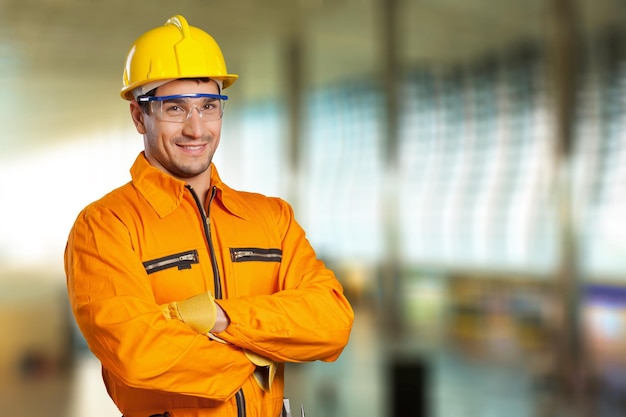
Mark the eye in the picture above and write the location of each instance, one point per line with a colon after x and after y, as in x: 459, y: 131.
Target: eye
x: 172, y: 108
x: 210, y: 105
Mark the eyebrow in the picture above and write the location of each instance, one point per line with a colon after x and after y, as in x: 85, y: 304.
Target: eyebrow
x: 177, y: 100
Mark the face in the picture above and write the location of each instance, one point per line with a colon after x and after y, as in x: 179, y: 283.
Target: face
x: 184, y: 150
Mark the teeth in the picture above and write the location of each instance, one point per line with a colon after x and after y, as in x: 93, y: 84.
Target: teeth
x: 193, y: 148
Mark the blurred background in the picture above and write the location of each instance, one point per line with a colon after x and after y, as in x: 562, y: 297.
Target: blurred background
x: 461, y: 165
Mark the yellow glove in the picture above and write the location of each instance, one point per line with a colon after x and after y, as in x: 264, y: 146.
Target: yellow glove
x: 265, y: 369
x: 198, y: 312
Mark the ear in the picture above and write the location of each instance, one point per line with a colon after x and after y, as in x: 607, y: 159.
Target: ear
x: 137, y: 114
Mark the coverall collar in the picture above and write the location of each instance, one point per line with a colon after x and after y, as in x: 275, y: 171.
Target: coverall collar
x: 164, y: 193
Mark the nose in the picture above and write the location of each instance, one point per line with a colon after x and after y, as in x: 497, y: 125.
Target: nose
x: 193, y: 125
x: 191, y: 113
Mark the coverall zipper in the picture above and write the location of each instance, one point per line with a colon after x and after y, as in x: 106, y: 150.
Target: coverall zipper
x: 217, y: 286
x: 206, y: 220
x: 241, y: 404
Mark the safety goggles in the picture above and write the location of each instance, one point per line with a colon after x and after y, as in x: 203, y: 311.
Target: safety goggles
x: 178, y: 108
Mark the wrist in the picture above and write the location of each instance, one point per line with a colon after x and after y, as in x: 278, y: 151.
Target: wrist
x: 221, y: 320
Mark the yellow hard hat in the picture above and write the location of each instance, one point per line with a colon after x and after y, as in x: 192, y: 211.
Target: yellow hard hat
x: 174, y: 50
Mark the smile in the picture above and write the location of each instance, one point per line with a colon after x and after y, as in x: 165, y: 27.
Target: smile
x: 192, y: 147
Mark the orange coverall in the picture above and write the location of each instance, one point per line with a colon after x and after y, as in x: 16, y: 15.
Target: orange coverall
x: 151, y: 242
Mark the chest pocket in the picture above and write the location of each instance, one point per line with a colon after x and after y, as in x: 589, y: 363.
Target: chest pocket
x: 255, y: 270
x: 178, y: 275
x: 182, y: 260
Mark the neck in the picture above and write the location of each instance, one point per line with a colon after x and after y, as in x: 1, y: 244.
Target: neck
x: 201, y: 189
x: 201, y: 184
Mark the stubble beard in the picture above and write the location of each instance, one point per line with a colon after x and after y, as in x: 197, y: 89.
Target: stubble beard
x: 190, y: 170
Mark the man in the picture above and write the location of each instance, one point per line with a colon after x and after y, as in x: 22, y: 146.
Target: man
x: 191, y: 294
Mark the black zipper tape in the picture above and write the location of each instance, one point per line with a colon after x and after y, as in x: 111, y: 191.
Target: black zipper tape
x: 255, y: 254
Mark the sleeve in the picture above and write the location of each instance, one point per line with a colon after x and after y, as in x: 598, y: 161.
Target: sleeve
x: 308, y: 319
x: 116, y: 311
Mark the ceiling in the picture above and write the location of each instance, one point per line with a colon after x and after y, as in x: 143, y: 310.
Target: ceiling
x: 61, y: 60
